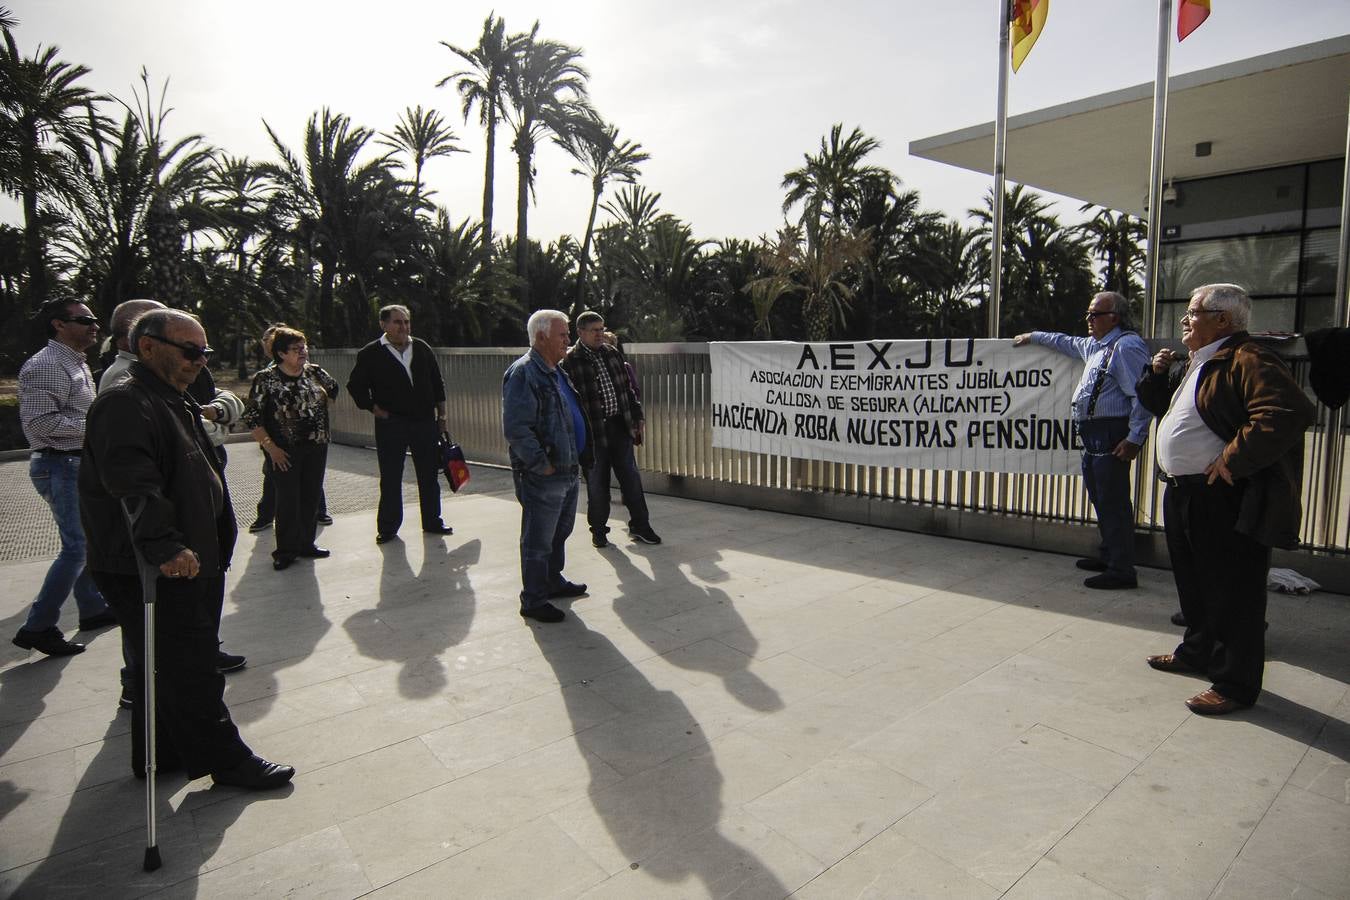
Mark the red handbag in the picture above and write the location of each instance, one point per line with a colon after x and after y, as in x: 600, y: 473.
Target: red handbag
x: 453, y: 464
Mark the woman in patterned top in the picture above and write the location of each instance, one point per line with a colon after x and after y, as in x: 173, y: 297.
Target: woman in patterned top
x: 288, y: 412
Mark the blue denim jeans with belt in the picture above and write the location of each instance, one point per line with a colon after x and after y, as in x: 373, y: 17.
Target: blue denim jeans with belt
x: 55, y: 475
x: 548, y: 510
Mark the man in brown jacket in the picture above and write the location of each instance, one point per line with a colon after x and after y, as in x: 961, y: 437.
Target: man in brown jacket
x: 1230, y: 448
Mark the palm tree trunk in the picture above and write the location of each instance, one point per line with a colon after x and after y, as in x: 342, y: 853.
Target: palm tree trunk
x: 33, y: 249
x: 327, y: 273
x: 522, y: 219
x: 580, y: 303
x: 489, y: 168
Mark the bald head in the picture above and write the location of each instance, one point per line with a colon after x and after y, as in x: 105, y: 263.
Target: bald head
x: 125, y: 315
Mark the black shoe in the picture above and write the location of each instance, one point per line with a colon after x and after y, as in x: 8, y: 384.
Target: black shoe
x: 1091, y: 565
x: 1178, y: 620
x: 128, y: 698
x: 259, y: 525
x: 599, y: 540
x: 1108, y: 582
x: 315, y: 553
x: 567, y: 589
x: 324, y: 519
x: 545, y: 612
x: 102, y: 620
x: 645, y: 535
x: 282, y: 562
x: 51, y: 642
x: 229, y: 662
x: 256, y: 774
x: 442, y: 528
x: 382, y: 538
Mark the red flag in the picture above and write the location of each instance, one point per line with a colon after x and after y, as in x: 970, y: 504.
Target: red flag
x: 1190, y: 16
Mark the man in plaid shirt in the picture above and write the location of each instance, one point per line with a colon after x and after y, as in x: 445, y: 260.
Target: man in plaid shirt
x: 55, y: 390
x: 615, y: 415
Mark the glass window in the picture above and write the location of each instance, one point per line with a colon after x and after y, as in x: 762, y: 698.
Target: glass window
x: 1245, y: 203
x: 1317, y: 313
x: 1273, y: 314
x: 1324, y: 193
x: 1319, y: 260
x: 1263, y: 264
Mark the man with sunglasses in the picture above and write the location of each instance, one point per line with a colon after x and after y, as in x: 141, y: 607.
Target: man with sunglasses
x: 55, y: 391
x: 145, y: 440
x: 1112, y: 426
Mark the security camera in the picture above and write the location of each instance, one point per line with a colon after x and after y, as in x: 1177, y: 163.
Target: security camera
x: 1170, y: 195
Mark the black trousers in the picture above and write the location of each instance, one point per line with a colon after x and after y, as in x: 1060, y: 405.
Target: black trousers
x: 1221, y: 583
x: 194, y: 726
x: 616, y: 454
x: 394, y: 437
x: 267, y: 501
x: 298, y: 490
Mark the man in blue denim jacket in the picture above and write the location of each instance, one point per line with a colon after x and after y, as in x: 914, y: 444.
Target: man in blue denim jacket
x: 547, y: 434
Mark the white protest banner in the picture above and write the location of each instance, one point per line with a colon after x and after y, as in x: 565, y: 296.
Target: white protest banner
x: 963, y: 404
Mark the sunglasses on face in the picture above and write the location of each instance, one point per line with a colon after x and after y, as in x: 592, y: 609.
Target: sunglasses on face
x: 1092, y: 315
x: 86, y: 321
x: 191, y: 352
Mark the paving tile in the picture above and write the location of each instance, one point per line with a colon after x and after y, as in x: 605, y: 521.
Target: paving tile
x: 892, y: 867
x: 997, y: 821
x: 1325, y: 770
x: 837, y: 805
x: 535, y: 860
x: 1048, y: 880
x: 1304, y: 837
x: 1245, y: 881
x: 319, y: 864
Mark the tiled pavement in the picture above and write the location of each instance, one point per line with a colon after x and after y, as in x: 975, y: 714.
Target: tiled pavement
x: 762, y: 706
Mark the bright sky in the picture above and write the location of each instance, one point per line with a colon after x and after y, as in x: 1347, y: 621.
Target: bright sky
x: 725, y: 96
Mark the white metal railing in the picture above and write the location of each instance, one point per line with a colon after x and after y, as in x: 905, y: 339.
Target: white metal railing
x: 676, y: 385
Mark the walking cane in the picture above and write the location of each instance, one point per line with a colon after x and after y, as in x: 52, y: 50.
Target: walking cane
x: 132, y: 507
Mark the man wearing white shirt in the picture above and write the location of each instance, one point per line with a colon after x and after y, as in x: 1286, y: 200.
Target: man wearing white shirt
x: 1230, y: 448
x: 397, y: 379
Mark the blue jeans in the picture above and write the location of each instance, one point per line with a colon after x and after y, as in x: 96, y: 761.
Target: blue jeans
x: 55, y: 476
x: 1108, y: 487
x: 615, y: 453
x: 548, y: 510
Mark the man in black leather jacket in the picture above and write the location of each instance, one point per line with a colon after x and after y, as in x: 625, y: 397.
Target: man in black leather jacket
x: 144, y: 439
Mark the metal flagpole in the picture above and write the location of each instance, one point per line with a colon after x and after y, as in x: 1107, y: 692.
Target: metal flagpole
x: 1000, y: 148
x: 1155, y: 172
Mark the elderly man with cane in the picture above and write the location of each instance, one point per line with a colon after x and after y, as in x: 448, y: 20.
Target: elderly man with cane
x: 145, y: 444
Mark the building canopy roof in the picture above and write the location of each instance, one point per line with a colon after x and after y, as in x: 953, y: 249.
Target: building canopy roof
x: 1276, y: 109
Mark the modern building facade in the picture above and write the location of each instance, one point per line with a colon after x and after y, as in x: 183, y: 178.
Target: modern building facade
x: 1255, y: 162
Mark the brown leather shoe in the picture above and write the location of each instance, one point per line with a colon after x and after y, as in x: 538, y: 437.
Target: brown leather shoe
x: 1168, y: 662
x: 1211, y: 703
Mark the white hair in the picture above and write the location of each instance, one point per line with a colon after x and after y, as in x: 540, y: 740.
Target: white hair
x: 1228, y: 298
x: 541, y: 320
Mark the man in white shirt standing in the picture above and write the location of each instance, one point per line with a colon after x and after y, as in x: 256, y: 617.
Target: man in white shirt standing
x: 397, y: 379
x: 1230, y: 449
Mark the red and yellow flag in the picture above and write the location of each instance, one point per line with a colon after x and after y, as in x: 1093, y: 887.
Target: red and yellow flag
x: 1027, y: 18
x: 1190, y: 16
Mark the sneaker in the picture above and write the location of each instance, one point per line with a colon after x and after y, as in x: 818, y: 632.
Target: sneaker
x: 544, y: 612
x: 229, y: 662
x: 51, y: 642
x: 645, y: 535
x: 259, y: 525
x: 324, y: 519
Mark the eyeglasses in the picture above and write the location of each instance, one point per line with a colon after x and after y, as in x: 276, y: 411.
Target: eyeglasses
x: 191, y: 352
x: 1092, y: 315
x: 1190, y: 314
x: 86, y: 321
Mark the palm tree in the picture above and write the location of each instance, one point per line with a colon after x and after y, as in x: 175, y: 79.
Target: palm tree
x: 43, y: 108
x: 831, y: 185
x: 320, y: 202
x: 1114, y: 239
x: 814, y: 270
x: 484, y: 85
x: 546, y: 86
x: 238, y: 192
x: 423, y: 135
x: 603, y: 157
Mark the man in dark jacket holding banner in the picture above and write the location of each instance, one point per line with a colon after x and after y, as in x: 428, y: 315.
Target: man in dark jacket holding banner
x: 144, y: 442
